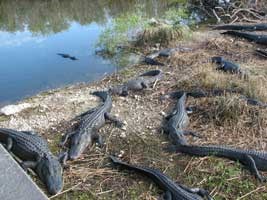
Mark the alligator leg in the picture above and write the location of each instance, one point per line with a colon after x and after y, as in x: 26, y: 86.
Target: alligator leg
x: 114, y: 119
x: 28, y: 164
x: 9, y: 144
x: 65, y: 138
x: 98, y: 139
x: 63, y: 157
x: 144, y: 85
x: 193, y: 134
x: 199, y: 191
x: 167, y: 195
x: 253, y: 168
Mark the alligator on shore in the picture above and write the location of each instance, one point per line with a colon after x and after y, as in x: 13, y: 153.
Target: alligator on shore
x: 141, y: 82
x: 177, y: 121
x: 173, y: 191
x: 34, y: 152
x: 168, y: 52
x: 200, y: 93
x: 261, y: 53
x: 228, y: 66
x: 259, y: 39
x: 241, y: 27
x: 87, y: 131
x: 253, y: 160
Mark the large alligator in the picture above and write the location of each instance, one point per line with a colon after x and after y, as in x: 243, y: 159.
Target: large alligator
x: 253, y: 160
x: 89, y: 123
x: 141, y: 82
x: 242, y: 27
x: 34, y: 152
x: 200, y: 93
x: 260, y: 39
x: 173, y: 191
x: 177, y: 122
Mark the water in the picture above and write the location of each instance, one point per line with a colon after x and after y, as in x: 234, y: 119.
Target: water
x: 33, y: 32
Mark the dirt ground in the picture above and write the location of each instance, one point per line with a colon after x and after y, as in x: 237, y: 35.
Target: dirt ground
x: 225, y: 120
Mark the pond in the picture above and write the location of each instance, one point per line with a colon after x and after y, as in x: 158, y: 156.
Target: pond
x: 33, y: 34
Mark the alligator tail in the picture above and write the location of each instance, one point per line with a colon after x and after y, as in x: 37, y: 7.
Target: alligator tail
x: 102, y: 94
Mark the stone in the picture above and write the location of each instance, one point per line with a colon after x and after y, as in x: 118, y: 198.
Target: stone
x: 15, y: 183
x: 13, y: 109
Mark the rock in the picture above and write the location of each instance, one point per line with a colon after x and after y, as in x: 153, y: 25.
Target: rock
x: 13, y: 109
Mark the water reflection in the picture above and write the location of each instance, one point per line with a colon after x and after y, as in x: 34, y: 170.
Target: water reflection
x: 32, y: 33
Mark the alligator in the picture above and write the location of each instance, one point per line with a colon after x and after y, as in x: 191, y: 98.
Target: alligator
x: 242, y: 27
x: 261, y: 53
x: 168, y: 52
x: 253, y: 160
x: 177, y: 121
x: 259, y: 39
x: 63, y: 55
x: 200, y: 93
x: 86, y: 132
x: 173, y: 191
x: 34, y: 152
x: 141, y: 82
x: 152, y: 61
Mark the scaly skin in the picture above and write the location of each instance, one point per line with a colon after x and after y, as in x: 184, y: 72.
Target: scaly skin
x: 240, y: 27
x: 141, y: 82
x: 253, y: 160
x: 90, y: 122
x: 33, y: 150
x: 173, y: 191
x: 260, y: 39
x: 177, y: 122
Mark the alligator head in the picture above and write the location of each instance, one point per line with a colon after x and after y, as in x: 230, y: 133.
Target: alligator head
x: 50, y: 172
x: 78, y: 143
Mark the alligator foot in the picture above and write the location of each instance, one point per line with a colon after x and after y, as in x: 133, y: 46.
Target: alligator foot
x: 253, y: 168
x: 199, y: 191
x: 193, y: 134
x: 63, y: 157
x: 112, y: 118
x: 65, y: 138
x: 167, y: 196
x: 98, y: 139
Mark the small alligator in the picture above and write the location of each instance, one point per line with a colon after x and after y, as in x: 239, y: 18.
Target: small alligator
x: 240, y: 27
x: 34, y: 152
x: 90, y: 122
x: 152, y: 61
x: 168, y: 52
x: 63, y: 55
x: 260, y: 39
x: 141, y: 82
x: 253, y: 160
x: 173, y: 191
x: 177, y: 121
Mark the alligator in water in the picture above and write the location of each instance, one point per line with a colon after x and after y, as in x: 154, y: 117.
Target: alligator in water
x: 253, y: 160
x: 173, y: 191
x: 89, y: 123
x: 177, y: 121
x: 259, y: 39
x: 141, y: 82
x: 242, y: 27
x: 63, y: 55
x: 34, y: 152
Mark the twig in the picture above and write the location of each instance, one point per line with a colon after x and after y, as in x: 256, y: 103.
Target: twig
x: 217, y: 17
x: 249, y: 193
